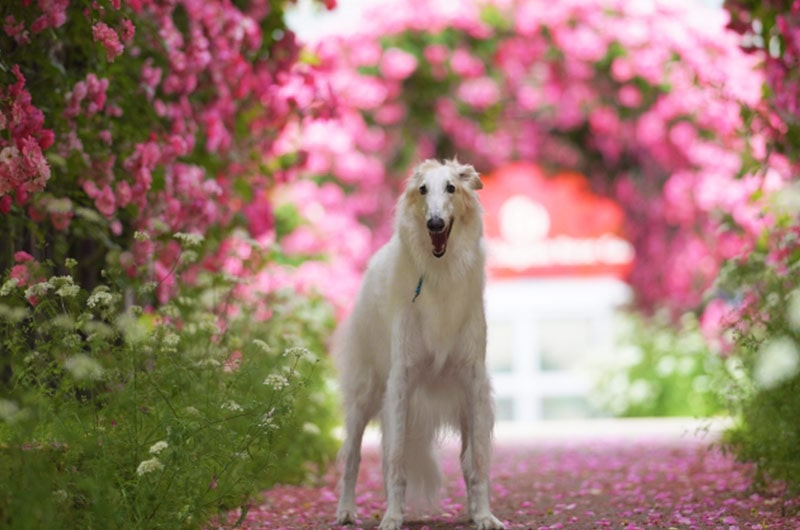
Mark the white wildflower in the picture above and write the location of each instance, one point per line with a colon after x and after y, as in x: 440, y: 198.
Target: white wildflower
x: 70, y: 263
x: 100, y: 298
x: 60, y: 495
x: 158, y: 447
x: 13, y: 314
x: 63, y: 322
x: 171, y: 311
x: 263, y: 346
x: 147, y: 288
x: 230, y: 278
x: 38, y: 290
x: 148, y: 466
x: 132, y: 328
x: 9, y: 411
x: 60, y: 281
x: 171, y: 341
x: 276, y: 381
x: 778, y: 361
x: 83, y: 367
x: 9, y: 286
x: 311, y: 428
x: 189, y: 240
x: 97, y: 330
x: 141, y: 236
x: 267, y: 420
x: 232, y: 406
x: 68, y: 291
x: 189, y: 256
x: 299, y: 352
x: 208, y: 362
x: 793, y: 310
x: 786, y: 201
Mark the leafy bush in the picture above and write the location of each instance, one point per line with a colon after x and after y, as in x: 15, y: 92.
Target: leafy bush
x: 764, y: 387
x: 116, y: 416
x: 762, y: 285
x: 660, y: 369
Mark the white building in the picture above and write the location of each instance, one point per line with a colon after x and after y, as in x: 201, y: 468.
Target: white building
x: 555, y: 263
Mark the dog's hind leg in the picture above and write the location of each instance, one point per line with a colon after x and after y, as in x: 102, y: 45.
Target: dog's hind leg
x: 356, y: 421
x: 476, y: 446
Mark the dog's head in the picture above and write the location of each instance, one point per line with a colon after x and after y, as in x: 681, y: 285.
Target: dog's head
x: 440, y: 193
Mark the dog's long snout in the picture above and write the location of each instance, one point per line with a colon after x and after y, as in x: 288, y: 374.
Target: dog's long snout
x: 435, y: 224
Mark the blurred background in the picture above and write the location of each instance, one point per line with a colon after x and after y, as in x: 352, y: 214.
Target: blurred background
x: 562, y: 341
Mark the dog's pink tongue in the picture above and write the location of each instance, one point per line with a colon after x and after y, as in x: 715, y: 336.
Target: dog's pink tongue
x: 439, y: 241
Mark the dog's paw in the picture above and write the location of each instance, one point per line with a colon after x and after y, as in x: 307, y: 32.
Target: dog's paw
x: 391, y: 522
x: 488, y: 521
x: 346, y: 515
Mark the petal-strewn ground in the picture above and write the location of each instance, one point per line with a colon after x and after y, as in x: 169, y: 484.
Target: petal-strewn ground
x: 597, y: 476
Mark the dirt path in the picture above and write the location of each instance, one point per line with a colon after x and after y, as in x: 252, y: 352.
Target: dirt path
x: 597, y: 479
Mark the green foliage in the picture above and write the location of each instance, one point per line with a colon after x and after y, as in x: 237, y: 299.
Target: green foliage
x: 661, y: 369
x: 115, y: 416
x: 764, y: 384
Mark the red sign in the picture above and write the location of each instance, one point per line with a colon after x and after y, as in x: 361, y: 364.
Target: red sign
x: 551, y: 226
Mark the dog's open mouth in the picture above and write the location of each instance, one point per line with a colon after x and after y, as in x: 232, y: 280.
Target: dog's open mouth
x: 439, y: 240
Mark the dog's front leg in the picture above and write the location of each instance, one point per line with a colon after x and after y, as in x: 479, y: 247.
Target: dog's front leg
x: 395, y: 414
x: 476, y: 442
x: 355, y: 423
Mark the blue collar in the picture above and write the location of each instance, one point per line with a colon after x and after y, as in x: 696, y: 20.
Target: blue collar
x: 417, y: 290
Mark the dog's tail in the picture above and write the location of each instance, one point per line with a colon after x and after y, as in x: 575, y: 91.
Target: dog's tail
x: 423, y: 477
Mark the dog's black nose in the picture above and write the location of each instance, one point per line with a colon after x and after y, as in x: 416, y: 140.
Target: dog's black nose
x: 435, y: 224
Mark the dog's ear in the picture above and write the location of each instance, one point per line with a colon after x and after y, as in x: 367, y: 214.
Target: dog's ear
x: 469, y: 177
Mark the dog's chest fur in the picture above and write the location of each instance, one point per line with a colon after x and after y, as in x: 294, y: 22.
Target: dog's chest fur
x: 443, y: 312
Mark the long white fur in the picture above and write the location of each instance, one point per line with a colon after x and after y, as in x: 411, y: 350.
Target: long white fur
x: 419, y: 360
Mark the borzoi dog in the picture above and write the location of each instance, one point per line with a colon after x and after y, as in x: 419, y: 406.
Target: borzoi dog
x: 414, y: 347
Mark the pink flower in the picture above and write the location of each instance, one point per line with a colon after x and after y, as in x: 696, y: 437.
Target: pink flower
x: 630, y: 96
x: 397, y: 64
x: 436, y: 53
x: 21, y: 274
x: 466, y: 65
x: 124, y: 193
x: 16, y: 30
x: 105, y: 202
x: 128, y: 31
x: 22, y: 257
x: 102, y: 33
x: 480, y: 93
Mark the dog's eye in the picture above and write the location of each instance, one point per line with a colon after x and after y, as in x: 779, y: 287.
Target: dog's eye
x: 423, y: 189
x: 450, y: 188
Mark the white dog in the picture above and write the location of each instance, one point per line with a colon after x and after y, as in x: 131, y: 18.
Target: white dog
x: 414, y: 347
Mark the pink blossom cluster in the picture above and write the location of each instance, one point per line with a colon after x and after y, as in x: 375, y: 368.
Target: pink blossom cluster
x: 245, y: 102
x: 48, y: 14
x: 23, y: 138
x: 645, y: 99
x: 771, y: 34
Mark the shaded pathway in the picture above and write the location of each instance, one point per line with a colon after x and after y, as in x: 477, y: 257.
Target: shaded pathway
x: 633, y: 479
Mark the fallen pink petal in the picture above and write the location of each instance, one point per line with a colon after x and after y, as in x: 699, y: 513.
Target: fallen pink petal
x: 676, y: 479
